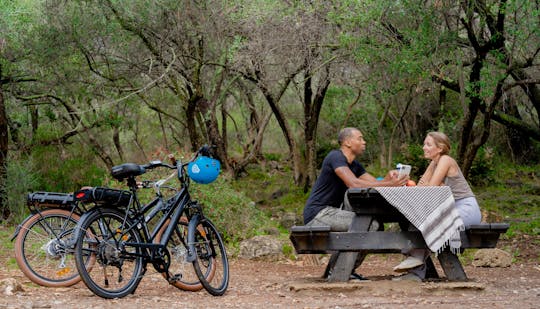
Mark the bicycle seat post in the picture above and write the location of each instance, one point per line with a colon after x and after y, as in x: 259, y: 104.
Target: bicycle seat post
x: 132, y: 184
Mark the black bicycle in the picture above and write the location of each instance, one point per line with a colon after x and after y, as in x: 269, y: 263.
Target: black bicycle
x: 123, y: 241
x: 42, y: 248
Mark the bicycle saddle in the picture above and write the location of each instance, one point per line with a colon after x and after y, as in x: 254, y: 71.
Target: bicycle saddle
x: 126, y: 170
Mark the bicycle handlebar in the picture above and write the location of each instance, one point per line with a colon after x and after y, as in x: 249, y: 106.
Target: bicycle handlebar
x: 154, y: 164
x: 205, y: 150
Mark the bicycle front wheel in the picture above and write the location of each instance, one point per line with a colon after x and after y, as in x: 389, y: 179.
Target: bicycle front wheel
x: 42, y: 248
x: 211, y: 263
x: 181, y: 273
x: 105, y: 236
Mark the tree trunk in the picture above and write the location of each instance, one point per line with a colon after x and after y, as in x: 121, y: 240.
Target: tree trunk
x: 289, y: 138
x: 254, y: 149
x: 4, y: 209
x: 380, y: 134
x: 214, y: 136
x: 191, y: 116
x: 34, y: 119
x: 519, y: 144
x: 117, y: 144
x: 312, y: 110
x: 467, y: 132
x: 100, y: 151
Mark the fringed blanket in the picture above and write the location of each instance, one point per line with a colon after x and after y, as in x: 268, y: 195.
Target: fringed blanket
x: 431, y: 210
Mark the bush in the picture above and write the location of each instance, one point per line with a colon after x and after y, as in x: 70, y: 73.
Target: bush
x: 481, y: 172
x: 66, y: 173
x: 21, y: 180
x: 235, y: 216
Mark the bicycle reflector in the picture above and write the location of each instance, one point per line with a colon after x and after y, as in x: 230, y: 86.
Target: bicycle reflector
x: 204, y: 170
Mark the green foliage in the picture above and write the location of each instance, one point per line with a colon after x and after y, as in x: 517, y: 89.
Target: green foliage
x: 288, y: 251
x: 21, y: 179
x: 482, y: 169
x: 67, y: 173
x: 396, y: 47
x: 272, y: 156
x: 7, y: 246
x: 232, y: 212
x: 512, y: 196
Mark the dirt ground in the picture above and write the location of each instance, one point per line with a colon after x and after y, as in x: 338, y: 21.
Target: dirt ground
x: 295, y: 284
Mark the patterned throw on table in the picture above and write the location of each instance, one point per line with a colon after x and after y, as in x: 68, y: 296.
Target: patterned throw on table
x: 431, y: 210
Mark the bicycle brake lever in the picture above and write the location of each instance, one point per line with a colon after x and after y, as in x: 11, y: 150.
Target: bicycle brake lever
x: 206, y: 150
x: 172, y: 159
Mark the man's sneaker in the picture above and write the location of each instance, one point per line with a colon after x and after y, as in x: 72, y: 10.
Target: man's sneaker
x: 408, y: 263
x: 408, y: 277
x: 356, y: 276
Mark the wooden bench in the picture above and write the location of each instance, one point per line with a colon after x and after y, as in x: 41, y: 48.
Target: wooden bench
x: 320, y: 239
x: 360, y: 240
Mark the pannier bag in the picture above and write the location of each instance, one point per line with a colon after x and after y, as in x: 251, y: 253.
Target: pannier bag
x: 102, y: 196
x: 50, y: 199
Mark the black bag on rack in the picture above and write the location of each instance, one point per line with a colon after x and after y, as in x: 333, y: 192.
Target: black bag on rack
x: 104, y: 196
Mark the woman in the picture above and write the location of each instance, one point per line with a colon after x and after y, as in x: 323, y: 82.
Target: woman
x: 443, y: 170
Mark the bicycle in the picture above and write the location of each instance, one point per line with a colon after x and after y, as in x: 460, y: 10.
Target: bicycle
x: 42, y: 248
x: 43, y: 243
x: 123, y: 243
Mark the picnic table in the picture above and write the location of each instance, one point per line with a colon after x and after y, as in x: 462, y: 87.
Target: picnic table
x: 360, y: 240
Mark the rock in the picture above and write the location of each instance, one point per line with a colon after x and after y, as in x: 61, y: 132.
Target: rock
x: 492, y: 258
x: 278, y: 193
x: 274, y: 165
x: 10, y: 285
x: 265, y: 247
x: 271, y: 231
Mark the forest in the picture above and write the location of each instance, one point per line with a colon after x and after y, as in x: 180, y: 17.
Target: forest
x: 89, y: 84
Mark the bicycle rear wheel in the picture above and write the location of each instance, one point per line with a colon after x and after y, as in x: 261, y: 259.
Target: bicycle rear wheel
x: 181, y: 272
x: 211, y: 263
x: 42, y: 250
x: 119, y: 266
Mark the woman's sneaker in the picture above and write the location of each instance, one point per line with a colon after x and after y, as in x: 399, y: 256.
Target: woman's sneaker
x: 408, y: 263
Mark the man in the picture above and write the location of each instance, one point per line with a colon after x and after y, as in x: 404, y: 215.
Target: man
x: 340, y: 170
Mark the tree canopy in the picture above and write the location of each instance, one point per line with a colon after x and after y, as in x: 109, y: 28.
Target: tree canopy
x: 86, y: 85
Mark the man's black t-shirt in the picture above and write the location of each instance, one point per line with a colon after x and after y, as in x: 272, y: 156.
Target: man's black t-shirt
x: 329, y: 189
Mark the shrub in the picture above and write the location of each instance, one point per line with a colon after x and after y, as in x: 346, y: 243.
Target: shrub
x: 235, y: 216
x: 481, y: 172
x: 21, y: 180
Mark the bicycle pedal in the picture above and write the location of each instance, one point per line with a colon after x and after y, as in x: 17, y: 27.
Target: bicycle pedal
x: 175, y: 278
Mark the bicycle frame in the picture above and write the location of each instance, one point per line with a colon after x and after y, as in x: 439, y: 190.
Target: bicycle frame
x: 141, y: 215
x: 170, y: 233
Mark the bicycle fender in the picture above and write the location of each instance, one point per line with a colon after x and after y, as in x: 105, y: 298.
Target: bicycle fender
x: 192, y: 227
x: 18, y: 228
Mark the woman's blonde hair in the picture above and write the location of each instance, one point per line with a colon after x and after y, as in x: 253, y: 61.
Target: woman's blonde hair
x: 442, y: 141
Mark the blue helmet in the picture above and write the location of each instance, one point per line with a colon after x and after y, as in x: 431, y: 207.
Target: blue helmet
x: 204, y: 170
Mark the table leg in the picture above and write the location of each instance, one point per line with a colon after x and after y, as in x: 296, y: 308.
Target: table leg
x: 452, y: 266
x: 331, y: 264
x: 431, y: 271
x: 343, y: 268
x: 344, y: 262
